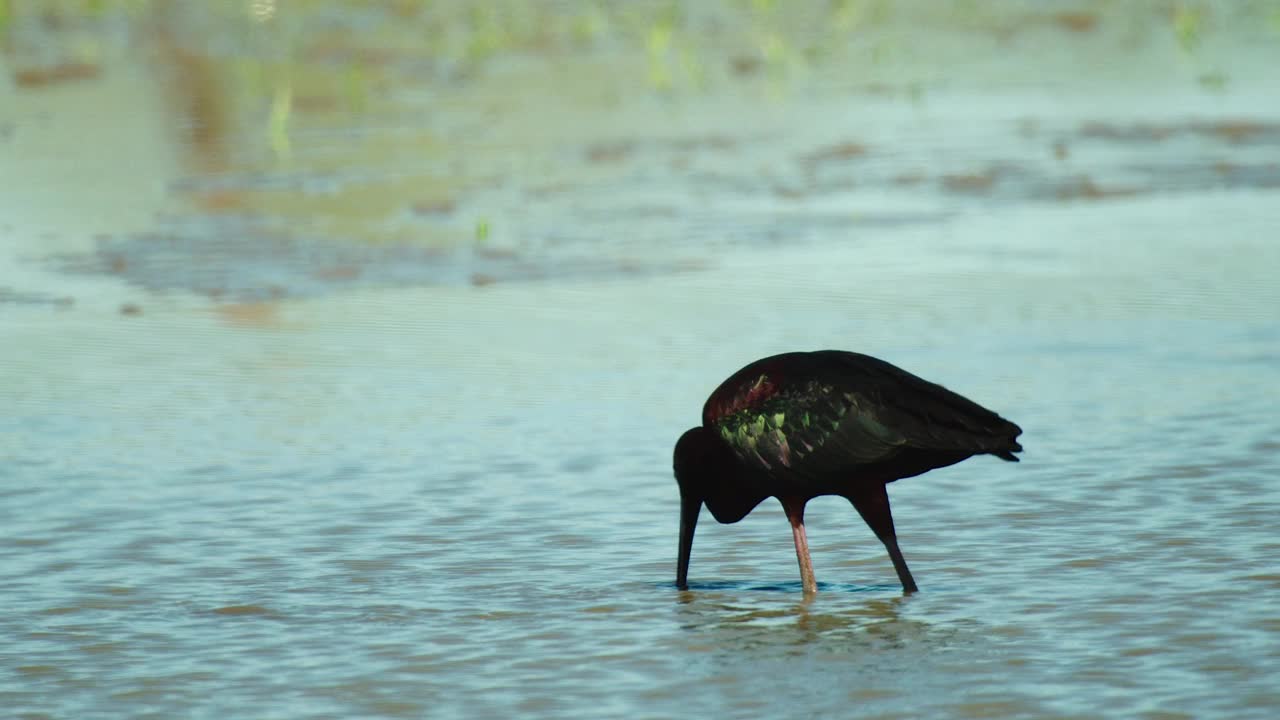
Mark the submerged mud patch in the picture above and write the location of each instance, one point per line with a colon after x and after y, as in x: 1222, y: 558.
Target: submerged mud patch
x: 1230, y: 130
x: 1035, y: 161
x: 239, y: 262
x: 11, y: 296
x: 648, y: 206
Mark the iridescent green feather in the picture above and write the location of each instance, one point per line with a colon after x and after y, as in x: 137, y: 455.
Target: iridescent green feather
x: 785, y: 427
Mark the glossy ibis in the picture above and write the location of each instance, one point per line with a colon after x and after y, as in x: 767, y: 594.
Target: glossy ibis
x: 804, y: 424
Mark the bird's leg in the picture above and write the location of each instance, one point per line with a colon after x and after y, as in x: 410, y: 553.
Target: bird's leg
x: 872, y: 504
x: 794, y: 506
x: 900, y: 564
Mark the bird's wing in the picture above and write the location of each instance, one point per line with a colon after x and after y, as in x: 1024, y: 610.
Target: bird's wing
x: 776, y: 416
x: 923, y: 415
x: 835, y: 408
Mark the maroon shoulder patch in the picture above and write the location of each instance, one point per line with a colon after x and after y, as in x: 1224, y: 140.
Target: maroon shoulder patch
x: 734, y: 397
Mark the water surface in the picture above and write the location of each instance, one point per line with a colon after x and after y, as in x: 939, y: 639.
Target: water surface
x: 258, y: 467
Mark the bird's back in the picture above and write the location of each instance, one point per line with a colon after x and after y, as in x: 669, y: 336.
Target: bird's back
x: 831, y: 417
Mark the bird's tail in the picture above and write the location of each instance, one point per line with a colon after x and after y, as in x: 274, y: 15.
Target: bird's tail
x: 1007, y: 453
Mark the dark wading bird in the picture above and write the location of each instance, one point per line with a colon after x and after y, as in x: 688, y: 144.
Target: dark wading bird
x: 804, y: 424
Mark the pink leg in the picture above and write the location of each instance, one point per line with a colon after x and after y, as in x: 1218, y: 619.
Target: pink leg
x: 795, y: 513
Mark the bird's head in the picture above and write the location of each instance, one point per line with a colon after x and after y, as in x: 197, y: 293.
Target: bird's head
x: 708, y: 472
x: 705, y: 469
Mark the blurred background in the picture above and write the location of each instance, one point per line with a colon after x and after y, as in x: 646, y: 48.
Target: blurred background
x: 343, y: 346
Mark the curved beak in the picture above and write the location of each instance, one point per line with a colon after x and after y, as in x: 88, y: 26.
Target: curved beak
x: 689, y: 508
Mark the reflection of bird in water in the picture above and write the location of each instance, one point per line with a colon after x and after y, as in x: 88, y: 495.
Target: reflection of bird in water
x: 762, y: 634
x: 799, y: 425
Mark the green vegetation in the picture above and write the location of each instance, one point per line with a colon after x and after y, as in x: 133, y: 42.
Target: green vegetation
x: 298, y: 85
x: 688, y: 46
x: 1188, y: 25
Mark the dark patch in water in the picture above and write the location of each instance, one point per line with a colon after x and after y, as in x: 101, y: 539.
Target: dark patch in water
x: 794, y: 587
x: 1233, y: 131
x: 257, y: 610
x: 1010, y: 182
x: 580, y: 464
x: 239, y: 261
x: 1142, y: 163
x: 1198, y: 176
x: 837, y: 153
x: 19, y: 297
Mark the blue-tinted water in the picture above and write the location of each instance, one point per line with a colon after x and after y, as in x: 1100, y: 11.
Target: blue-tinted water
x: 423, y: 498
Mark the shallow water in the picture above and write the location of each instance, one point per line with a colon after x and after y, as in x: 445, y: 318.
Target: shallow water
x: 238, y: 484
